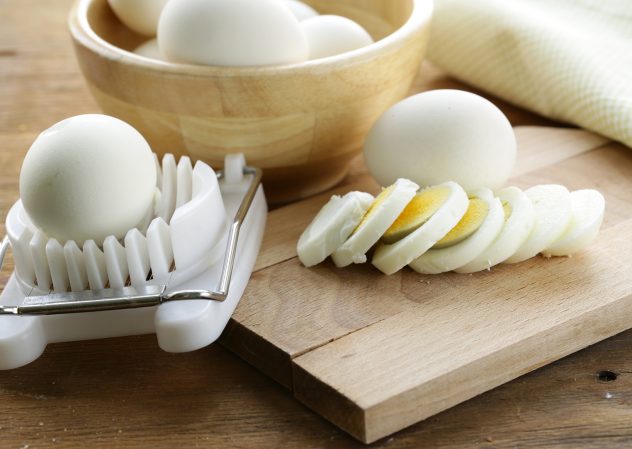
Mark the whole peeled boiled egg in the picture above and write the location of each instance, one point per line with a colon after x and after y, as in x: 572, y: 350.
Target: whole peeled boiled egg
x: 231, y: 33
x: 439, y: 136
x: 301, y: 10
x: 149, y: 49
x: 330, y: 35
x: 139, y: 15
x: 88, y: 177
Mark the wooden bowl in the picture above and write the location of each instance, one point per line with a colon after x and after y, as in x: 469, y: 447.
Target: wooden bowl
x: 301, y: 123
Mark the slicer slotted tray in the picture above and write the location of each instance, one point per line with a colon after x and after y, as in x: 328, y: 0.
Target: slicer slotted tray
x: 180, y: 274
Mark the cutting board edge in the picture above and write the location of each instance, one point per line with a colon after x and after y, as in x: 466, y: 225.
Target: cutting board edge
x: 374, y: 416
x: 267, y: 358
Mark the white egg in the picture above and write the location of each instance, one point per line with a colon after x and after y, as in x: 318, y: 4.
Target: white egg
x: 381, y: 214
x: 88, y: 177
x: 300, y: 10
x: 588, y: 207
x: 519, y: 218
x: 439, y: 136
x: 430, y: 215
x: 231, y: 33
x: 332, y: 226
x: 552, y: 215
x: 330, y: 35
x: 462, y: 248
x: 139, y: 15
x: 149, y: 49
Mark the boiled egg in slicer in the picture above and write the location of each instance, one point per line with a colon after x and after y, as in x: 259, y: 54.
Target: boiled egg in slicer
x: 179, y: 274
x: 378, y: 218
x: 477, y: 229
x: 426, y: 219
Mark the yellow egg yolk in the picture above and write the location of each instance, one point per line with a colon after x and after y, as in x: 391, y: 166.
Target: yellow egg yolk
x: 373, y: 207
x: 507, y: 209
x: 417, y: 212
x: 472, y: 220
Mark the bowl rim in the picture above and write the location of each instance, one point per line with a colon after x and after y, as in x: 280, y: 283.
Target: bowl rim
x: 83, y: 33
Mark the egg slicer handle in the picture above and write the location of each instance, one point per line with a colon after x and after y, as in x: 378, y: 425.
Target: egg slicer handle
x: 132, y: 297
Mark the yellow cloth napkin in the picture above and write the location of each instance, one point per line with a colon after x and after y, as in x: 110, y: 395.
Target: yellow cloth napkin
x: 569, y: 60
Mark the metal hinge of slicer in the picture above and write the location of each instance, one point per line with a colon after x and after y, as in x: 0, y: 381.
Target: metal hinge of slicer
x: 135, y: 297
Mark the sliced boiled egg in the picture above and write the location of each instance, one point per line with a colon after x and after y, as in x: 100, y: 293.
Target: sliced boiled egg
x: 519, y: 217
x: 552, y: 216
x: 381, y: 214
x: 588, y: 207
x: 429, y: 216
x: 332, y: 226
x: 476, y: 230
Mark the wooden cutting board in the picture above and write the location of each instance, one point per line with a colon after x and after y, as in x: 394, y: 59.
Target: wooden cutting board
x: 374, y: 354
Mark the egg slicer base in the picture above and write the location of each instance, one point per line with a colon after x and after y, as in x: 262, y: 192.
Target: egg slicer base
x: 185, y: 317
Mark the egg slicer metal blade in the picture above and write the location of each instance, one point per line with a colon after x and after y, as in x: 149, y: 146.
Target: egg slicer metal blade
x: 184, y: 317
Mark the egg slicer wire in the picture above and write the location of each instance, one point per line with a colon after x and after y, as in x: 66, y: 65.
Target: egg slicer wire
x: 196, y: 314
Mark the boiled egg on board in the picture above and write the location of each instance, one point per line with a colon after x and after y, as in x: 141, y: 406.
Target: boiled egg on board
x: 519, y: 216
x: 381, y: 214
x: 439, y: 136
x: 552, y: 215
x: 429, y: 216
x: 588, y: 207
x: 480, y: 225
x: 332, y: 226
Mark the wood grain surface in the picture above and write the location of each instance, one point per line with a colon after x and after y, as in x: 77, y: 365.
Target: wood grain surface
x: 376, y: 353
x: 302, y: 125
x: 125, y: 392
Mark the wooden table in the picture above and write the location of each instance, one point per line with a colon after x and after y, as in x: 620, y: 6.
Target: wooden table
x: 126, y: 392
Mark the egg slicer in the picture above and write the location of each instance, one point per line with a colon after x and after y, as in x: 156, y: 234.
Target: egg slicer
x: 179, y: 274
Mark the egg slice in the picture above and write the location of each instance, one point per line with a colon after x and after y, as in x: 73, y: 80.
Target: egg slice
x: 332, y: 226
x: 519, y: 217
x: 427, y: 218
x: 552, y: 215
x: 381, y: 214
x: 476, y: 230
x: 588, y: 207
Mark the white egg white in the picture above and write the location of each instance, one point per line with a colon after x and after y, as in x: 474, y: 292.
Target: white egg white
x: 391, y: 258
x: 382, y: 213
x: 552, y: 215
x: 436, y: 261
x: 332, y: 226
x: 588, y: 207
x: 514, y: 233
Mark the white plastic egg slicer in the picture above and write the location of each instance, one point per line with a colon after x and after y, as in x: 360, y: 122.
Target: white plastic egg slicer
x: 179, y: 274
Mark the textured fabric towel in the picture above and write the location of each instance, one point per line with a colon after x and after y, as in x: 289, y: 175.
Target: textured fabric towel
x: 569, y: 60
